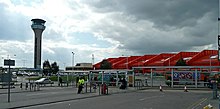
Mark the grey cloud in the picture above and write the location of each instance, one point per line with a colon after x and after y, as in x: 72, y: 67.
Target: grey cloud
x: 180, y: 25
x: 103, y: 6
x: 174, y: 13
x: 142, y: 26
x: 14, y: 26
x: 177, y: 13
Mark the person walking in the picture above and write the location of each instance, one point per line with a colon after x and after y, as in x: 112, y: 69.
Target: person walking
x: 205, y: 80
x: 80, y: 85
x: 60, y: 82
x: 77, y: 80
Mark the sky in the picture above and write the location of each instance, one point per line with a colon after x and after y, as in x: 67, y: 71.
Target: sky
x: 105, y: 28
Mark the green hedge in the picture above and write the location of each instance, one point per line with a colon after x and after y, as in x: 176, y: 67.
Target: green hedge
x: 55, y: 78
x: 64, y: 78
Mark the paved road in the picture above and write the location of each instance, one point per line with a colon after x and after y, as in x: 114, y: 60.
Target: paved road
x: 47, y: 95
x: 146, y: 99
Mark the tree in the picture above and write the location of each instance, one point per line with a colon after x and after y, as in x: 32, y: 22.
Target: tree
x: 181, y: 62
x: 55, y: 68
x: 46, y: 68
x: 105, y: 64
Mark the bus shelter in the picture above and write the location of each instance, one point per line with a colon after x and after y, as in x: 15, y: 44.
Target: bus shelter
x: 177, y: 76
x: 71, y: 76
x: 111, y: 77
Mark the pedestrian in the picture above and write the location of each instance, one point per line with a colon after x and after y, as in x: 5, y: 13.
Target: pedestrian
x: 60, y: 81
x: 205, y: 80
x: 146, y: 84
x: 123, y: 83
x: 80, y: 85
x: 77, y: 80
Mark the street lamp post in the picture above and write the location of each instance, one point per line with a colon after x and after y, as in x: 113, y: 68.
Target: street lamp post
x: 73, y: 59
x: 210, y: 64
x: 127, y: 63
x: 93, y: 59
x: 210, y: 61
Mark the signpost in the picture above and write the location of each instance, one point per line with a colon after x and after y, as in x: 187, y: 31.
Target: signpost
x: 9, y: 62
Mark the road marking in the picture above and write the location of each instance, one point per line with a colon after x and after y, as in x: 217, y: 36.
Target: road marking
x: 197, y: 103
x: 142, y: 99
x: 36, y: 94
x: 45, y: 93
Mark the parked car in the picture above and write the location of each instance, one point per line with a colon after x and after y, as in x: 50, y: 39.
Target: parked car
x: 44, y: 81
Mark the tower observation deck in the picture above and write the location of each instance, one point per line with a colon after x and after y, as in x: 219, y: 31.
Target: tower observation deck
x: 38, y: 28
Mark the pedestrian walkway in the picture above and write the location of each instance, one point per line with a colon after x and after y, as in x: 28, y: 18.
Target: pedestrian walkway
x: 47, y: 95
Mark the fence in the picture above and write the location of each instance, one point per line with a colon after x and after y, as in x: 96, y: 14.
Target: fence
x: 178, y: 76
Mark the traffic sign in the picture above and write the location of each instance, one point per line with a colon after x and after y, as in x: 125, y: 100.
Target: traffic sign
x: 9, y: 62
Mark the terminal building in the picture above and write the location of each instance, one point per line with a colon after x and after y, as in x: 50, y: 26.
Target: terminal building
x: 203, y: 58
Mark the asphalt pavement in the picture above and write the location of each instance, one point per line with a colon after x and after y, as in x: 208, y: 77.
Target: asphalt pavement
x: 49, y: 97
x: 21, y: 98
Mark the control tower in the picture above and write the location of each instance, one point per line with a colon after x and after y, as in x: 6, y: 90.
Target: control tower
x: 38, y: 28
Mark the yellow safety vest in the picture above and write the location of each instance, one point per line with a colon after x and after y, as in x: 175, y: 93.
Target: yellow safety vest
x: 81, y: 82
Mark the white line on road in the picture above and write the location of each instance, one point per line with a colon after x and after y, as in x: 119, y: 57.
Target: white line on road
x: 151, y: 97
x: 197, y: 104
x: 45, y: 93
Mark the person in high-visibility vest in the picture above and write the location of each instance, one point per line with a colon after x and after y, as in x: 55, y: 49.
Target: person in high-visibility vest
x: 80, y: 85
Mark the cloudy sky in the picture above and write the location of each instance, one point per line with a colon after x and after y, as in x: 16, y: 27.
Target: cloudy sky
x: 106, y: 28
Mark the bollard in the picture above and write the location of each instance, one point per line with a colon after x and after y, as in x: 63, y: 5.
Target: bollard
x: 38, y: 87
x: 94, y: 87
x: 34, y: 86
x: 214, y: 90
x: 99, y: 89
x: 139, y: 85
x: 30, y: 86
x: 185, y: 89
x: 26, y: 86
x: 103, y: 88
x: 21, y: 86
x: 161, y: 88
x: 107, y: 89
x: 90, y: 87
x: 146, y: 84
x: 86, y: 87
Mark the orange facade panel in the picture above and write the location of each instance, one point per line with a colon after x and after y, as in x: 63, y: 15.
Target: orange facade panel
x: 185, y: 55
x: 141, y: 60
x: 159, y: 59
x: 125, y: 63
x: 204, y: 58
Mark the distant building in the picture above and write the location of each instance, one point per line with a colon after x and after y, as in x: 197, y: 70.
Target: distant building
x: 80, y: 67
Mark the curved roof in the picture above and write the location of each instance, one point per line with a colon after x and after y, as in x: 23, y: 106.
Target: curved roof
x: 38, y: 20
x: 203, y: 58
